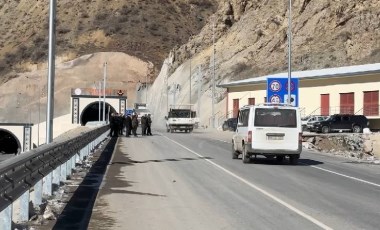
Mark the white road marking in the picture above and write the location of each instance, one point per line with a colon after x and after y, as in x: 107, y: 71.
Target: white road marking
x: 329, y: 171
x: 278, y: 200
x: 343, y: 175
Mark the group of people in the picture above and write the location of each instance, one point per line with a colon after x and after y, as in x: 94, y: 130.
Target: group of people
x: 130, y: 122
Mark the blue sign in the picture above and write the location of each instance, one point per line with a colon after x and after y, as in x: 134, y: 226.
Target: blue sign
x: 129, y: 111
x: 277, y: 90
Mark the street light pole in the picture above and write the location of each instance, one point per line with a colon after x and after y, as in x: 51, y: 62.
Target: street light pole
x: 213, y: 75
x: 51, y: 74
x: 39, y: 109
x: 104, y: 91
x: 290, y: 52
x: 99, y: 105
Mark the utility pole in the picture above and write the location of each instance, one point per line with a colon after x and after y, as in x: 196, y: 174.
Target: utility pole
x: 190, y: 73
x: 99, y: 104
x: 199, y: 90
x: 104, y: 91
x: 213, y: 74
x: 51, y: 73
x: 290, y: 52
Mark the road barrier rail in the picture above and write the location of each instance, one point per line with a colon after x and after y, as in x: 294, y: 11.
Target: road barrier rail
x: 38, y: 170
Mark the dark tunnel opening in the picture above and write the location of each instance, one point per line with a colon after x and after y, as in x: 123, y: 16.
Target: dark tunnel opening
x: 8, y: 143
x: 91, y: 112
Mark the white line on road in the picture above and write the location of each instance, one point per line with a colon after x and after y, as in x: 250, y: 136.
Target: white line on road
x: 343, y: 175
x: 278, y: 200
x: 329, y: 171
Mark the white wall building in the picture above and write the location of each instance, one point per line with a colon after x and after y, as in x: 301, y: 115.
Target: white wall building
x: 348, y: 90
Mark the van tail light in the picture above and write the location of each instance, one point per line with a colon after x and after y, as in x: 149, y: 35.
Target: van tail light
x: 249, y: 136
x: 300, y: 138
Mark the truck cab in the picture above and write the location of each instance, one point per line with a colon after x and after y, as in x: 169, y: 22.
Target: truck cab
x: 180, y: 119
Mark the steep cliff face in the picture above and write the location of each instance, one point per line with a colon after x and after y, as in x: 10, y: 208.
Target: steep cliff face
x: 251, y: 40
x: 252, y: 36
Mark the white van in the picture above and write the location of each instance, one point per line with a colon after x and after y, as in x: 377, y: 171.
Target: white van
x: 272, y: 130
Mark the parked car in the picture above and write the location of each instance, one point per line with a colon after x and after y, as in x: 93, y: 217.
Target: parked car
x: 342, y: 122
x: 313, y: 119
x: 268, y: 130
x: 230, y: 124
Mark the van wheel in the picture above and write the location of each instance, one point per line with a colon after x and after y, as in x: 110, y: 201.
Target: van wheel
x: 356, y: 129
x: 234, y: 153
x: 172, y: 130
x: 167, y: 130
x: 279, y: 159
x: 293, y: 159
x: 325, y: 129
x: 245, y: 157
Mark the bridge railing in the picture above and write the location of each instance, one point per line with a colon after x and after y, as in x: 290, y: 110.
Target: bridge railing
x: 40, y: 169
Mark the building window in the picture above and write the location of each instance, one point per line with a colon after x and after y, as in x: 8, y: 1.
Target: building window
x: 347, y: 103
x: 235, y: 107
x: 251, y: 101
x: 325, y: 104
x: 371, y: 103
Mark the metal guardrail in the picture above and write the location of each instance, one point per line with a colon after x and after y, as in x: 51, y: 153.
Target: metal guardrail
x: 21, y: 173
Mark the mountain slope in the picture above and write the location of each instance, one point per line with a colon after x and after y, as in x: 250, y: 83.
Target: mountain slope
x: 147, y: 29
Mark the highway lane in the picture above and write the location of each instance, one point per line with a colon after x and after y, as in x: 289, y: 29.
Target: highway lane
x: 339, y: 193
x: 189, y: 181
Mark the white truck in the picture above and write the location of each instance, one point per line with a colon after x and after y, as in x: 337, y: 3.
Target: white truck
x: 181, y: 119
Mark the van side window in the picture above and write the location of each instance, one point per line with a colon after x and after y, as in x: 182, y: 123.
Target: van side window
x: 243, y: 117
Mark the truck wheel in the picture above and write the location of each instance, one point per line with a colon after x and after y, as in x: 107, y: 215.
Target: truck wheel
x: 245, y: 157
x: 234, y: 153
x: 172, y: 130
x: 167, y: 130
x: 293, y: 159
x: 279, y: 159
x: 325, y: 129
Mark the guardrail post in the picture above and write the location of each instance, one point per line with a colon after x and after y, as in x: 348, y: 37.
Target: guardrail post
x: 56, y: 177
x: 68, y: 168
x: 72, y: 163
x: 37, y: 194
x: 6, y: 218
x: 64, y: 172
x: 47, y: 181
x: 23, y: 215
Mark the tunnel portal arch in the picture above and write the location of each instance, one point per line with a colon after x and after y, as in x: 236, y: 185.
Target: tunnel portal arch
x: 9, y: 143
x: 91, y: 112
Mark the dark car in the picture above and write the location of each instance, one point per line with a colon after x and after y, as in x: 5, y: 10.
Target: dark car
x: 342, y: 122
x: 230, y: 124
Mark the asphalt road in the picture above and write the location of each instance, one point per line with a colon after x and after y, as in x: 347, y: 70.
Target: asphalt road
x: 189, y: 181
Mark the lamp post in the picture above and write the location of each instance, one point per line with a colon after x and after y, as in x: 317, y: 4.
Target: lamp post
x: 51, y: 73
x: 39, y: 109
x: 104, y: 91
x: 290, y: 52
x: 213, y: 74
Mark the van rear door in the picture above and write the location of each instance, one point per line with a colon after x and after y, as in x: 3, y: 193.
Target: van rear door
x: 276, y: 128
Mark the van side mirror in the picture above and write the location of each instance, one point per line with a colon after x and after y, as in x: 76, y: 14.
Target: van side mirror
x: 166, y: 117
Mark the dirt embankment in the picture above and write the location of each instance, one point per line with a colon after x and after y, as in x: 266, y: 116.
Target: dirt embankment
x: 362, y: 147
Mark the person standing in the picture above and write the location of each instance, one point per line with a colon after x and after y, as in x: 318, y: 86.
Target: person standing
x: 112, y: 125
x: 135, y: 124
x: 128, y: 125
x: 143, y: 125
x: 148, y: 125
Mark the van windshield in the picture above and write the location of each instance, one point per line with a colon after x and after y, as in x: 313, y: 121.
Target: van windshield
x: 272, y: 117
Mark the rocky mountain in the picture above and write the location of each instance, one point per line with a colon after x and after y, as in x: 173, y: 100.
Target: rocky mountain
x: 147, y: 29
x: 250, y: 40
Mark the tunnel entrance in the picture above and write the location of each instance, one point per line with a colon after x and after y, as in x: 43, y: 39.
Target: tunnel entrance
x: 91, y: 112
x: 9, y: 144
